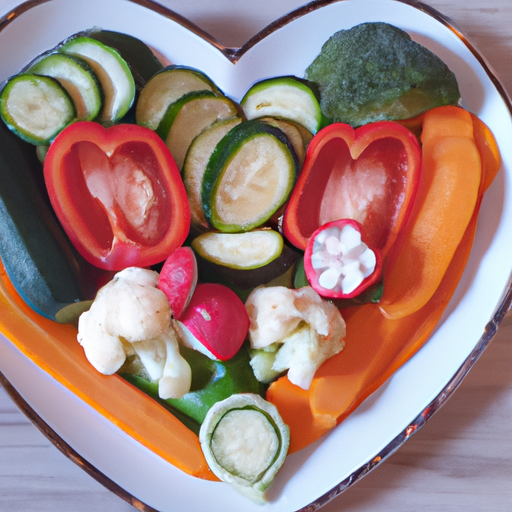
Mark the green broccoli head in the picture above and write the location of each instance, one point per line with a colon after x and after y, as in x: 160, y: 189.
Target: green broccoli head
x: 375, y: 71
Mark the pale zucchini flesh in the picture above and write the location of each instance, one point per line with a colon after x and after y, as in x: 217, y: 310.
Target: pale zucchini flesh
x: 113, y: 74
x: 284, y: 97
x: 189, y: 116
x: 165, y: 88
x: 297, y: 134
x: 36, y: 107
x: 245, y: 443
x: 77, y: 77
x: 196, y: 160
x: 249, y: 250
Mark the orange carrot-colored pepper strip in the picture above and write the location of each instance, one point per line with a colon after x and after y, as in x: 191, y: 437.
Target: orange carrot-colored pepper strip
x: 484, y: 139
x: 488, y: 149
x: 445, y: 202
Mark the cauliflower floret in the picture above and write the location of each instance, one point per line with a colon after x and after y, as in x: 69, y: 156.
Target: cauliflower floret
x: 130, y: 315
x: 308, y: 329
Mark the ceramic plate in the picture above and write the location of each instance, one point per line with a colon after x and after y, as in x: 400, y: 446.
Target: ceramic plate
x: 319, y: 472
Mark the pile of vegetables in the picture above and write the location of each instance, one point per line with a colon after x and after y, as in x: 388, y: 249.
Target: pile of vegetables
x: 258, y: 267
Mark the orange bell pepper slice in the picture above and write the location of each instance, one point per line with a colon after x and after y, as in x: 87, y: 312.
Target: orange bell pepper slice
x: 445, y: 202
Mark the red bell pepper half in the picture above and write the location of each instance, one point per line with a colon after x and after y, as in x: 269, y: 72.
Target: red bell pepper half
x: 369, y: 174
x: 117, y: 193
x: 338, y: 263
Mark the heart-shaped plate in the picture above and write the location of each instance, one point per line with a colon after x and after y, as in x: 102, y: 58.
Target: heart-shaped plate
x: 51, y: 381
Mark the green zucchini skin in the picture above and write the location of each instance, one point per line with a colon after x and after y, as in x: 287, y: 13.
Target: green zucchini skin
x: 141, y: 60
x: 138, y: 55
x: 227, y: 148
x: 38, y: 258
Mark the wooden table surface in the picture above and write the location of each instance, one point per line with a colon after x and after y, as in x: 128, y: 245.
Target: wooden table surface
x: 460, y: 461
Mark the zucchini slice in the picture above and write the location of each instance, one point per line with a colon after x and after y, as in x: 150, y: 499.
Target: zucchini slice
x: 77, y: 77
x: 196, y: 161
x: 165, y: 88
x: 141, y: 60
x: 284, y: 97
x: 298, y: 136
x: 245, y: 443
x: 38, y: 258
x: 189, y: 116
x: 36, y: 107
x: 113, y: 72
x: 278, y: 272
x: 248, y: 178
x: 244, y: 251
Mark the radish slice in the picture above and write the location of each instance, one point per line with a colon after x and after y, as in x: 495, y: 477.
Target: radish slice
x: 178, y: 279
x: 217, y: 318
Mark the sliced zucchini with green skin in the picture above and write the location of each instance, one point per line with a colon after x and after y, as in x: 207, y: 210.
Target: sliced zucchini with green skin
x: 278, y: 271
x: 71, y: 313
x: 245, y: 251
x: 248, y: 177
x: 113, y: 72
x: 36, y: 107
x: 165, y: 88
x: 245, y: 443
x: 141, y: 60
x: 298, y: 136
x: 196, y: 161
x: 77, y: 77
x: 284, y: 97
x: 37, y: 256
x: 189, y: 116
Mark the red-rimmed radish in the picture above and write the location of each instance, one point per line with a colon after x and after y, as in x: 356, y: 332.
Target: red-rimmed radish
x: 178, y: 278
x: 217, y: 319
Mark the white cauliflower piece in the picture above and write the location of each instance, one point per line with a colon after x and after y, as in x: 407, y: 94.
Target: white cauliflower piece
x: 308, y: 329
x: 130, y: 315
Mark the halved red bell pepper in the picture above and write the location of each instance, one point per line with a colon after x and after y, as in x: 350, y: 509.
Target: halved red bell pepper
x: 369, y: 174
x: 117, y: 193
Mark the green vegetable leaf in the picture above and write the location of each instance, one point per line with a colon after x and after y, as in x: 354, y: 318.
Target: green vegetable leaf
x: 375, y: 71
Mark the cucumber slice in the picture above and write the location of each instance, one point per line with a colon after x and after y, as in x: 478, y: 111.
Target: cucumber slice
x: 284, y: 97
x: 279, y: 271
x: 77, y: 77
x: 248, y: 177
x: 245, y: 443
x: 38, y: 257
x: 244, y: 251
x: 165, y: 88
x: 36, y: 108
x: 141, y: 60
x: 113, y: 72
x: 189, y: 116
x: 298, y: 136
x: 196, y: 161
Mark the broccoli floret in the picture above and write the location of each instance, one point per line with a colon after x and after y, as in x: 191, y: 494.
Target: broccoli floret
x: 375, y: 71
